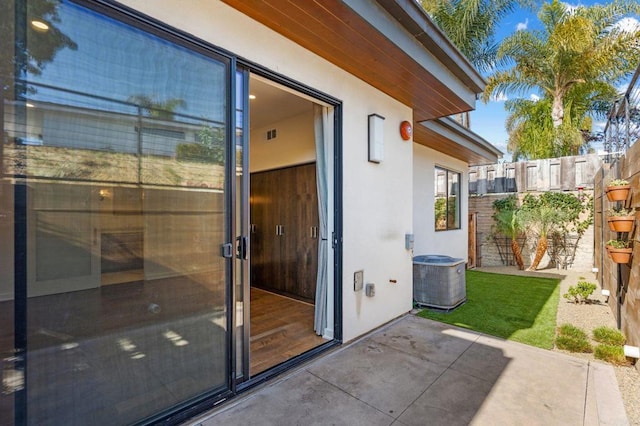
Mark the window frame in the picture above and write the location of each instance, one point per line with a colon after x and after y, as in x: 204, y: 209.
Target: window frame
x: 448, y: 193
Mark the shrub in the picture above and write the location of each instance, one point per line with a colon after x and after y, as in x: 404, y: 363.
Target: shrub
x: 572, y: 339
x: 581, y: 292
x: 610, y: 353
x: 200, y: 153
x: 608, y: 336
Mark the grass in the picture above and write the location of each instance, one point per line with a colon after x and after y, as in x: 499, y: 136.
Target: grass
x: 608, y: 336
x: 573, y: 339
x: 610, y: 353
x: 517, y: 308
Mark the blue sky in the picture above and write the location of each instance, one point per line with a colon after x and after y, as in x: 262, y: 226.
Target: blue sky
x: 488, y: 119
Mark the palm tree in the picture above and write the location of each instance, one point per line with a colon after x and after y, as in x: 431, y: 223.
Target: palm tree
x: 471, y: 25
x: 531, y: 131
x: 164, y: 110
x: 577, y: 48
x: 511, y: 224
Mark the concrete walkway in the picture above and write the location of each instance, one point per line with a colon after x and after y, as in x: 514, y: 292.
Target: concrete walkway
x: 415, y: 371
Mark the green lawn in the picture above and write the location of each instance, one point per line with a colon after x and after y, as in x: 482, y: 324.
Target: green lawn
x: 517, y: 308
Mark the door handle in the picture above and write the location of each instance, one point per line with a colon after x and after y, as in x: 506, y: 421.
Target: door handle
x: 242, y: 248
x: 226, y: 250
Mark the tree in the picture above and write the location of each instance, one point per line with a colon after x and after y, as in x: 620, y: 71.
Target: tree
x: 164, y: 110
x: 579, y: 55
x: 28, y: 57
x: 471, y: 25
x: 542, y: 218
x: 531, y: 131
x: 510, y: 223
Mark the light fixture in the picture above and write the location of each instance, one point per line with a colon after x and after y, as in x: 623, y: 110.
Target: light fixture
x: 104, y: 193
x: 376, y: 138
x: 39, y: 25
x: 406, y: 131
x: 29, y: 105
x: 252, y: 97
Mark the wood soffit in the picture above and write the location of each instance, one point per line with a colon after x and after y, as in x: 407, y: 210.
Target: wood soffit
x: 337, y: 33
x: 437, y: 141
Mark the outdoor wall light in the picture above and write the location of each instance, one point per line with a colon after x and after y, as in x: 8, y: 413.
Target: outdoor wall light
x: 406, y: 131
x: 376, y: 138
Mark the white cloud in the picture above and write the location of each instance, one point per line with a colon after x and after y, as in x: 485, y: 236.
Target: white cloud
x: 522, y: 25
x: 500, y: 97
x: 534, y: 97
x: 628, y: 24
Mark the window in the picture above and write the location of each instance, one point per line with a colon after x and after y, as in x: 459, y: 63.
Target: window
x: 473, y: 182
x: 447, y: 199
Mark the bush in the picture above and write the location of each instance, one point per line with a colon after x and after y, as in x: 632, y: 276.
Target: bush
x: 610, y: 353
x: 200, y: 153
x: 608, y: 336
x: 581, y: 292
x: 572, y: 339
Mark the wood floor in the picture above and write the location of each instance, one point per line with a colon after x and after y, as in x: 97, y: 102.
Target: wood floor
x: 281, y: 328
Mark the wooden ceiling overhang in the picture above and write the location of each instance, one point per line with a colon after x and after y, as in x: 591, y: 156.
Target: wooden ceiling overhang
x: 443, y: 133
x: 391, y: 44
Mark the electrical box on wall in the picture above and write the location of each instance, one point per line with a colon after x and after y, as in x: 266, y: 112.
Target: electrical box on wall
x: 408, y: 241
x: 370, y: 290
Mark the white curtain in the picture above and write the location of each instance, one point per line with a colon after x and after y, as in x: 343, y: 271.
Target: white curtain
x: 323, y: 136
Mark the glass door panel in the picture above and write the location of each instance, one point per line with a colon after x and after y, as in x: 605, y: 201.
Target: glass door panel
x: 121, y: 141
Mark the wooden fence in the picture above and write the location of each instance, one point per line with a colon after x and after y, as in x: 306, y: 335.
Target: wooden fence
x: 623, y: 281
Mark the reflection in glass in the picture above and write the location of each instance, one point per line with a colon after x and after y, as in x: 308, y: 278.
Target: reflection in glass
x: 120, y: 145
x: 447, y: 199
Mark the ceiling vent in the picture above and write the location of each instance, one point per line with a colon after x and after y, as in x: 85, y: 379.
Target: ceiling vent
x: 271, y: 134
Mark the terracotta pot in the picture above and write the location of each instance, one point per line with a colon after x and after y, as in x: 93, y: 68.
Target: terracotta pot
x: 621, y: 223
x: 622, y: 255
x: 618, y: 193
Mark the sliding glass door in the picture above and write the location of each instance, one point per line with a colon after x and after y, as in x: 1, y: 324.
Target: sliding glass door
x: 116, y: 181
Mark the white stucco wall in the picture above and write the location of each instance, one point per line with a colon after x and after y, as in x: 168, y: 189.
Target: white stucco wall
x: 377, y: 198
x: 427, y: 240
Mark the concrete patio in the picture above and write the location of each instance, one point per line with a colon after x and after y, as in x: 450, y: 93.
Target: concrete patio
x: 415, y: 371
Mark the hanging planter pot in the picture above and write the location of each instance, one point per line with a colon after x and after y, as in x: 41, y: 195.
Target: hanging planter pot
x: 619, y: 250
x: 621, y: 223
x: 620, y: 255
x: 618, y: 192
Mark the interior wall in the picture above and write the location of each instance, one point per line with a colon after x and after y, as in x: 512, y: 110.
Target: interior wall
x: 294, y: 144
x: 377, y: 198
x: 427, y: 241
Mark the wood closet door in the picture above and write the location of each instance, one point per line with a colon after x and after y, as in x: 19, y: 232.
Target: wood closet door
x: 306, y: 243
x: 285, y: 263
